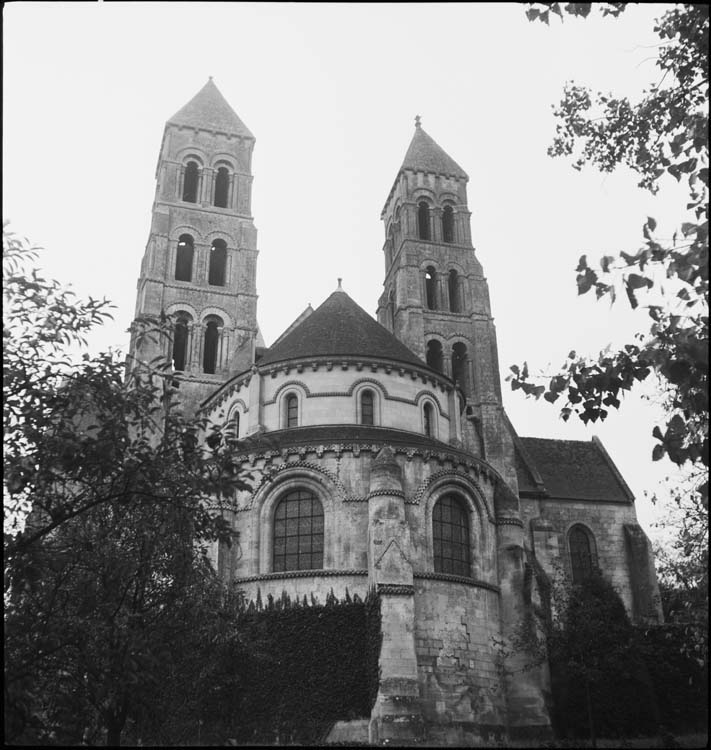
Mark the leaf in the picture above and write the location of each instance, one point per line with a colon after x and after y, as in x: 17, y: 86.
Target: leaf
x: 651, y: 223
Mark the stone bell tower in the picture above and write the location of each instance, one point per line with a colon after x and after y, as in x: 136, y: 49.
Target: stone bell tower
x: 199, y: 267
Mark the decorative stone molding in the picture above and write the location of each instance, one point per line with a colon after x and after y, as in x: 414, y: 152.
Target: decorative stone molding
x: 473, y: 582
x: 509, y: 521
x: 318, y: 573
x: 424, y: 487
x: 395, y: 589
x: 377, y: 493
x: 288, y: 384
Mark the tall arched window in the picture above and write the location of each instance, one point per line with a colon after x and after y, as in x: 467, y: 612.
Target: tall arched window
x: 298, y: 532
x: 431, y: 288
x: 434, y: 355
x: 367, y: 403
x: 180, y: 341
x: 222, y: 187
x: 211, y: 345
x: 218, y: 263
x: 582, y: 553
x: 190, y: 182
x: 453, y: 284
x: 459, y: 366
x: 423, y: 220
x: 450, y: 537
x: 184, y: 258
x: 448, y: 224
x: 292, y: 410
x: 427, y: 418
x: 234, y: 425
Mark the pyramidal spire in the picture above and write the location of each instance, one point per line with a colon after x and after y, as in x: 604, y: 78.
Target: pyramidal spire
x: 209, y: 110
x: 425, y: 155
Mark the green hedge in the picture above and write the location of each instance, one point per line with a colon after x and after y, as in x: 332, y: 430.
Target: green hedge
x: 307, y: 665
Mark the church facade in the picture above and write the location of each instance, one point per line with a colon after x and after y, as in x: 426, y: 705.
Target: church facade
x: 379, y: 451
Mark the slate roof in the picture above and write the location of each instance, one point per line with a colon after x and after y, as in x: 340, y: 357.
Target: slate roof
x: 209, y: 110
x: 339, y: 327
x: 424, y: 155
x: 572, y: 470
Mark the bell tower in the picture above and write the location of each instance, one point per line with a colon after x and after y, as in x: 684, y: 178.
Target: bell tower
x: 435, y: 298
x: 199, y: 266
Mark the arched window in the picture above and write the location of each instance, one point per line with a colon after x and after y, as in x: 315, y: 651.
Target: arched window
x: 218, y: 263
x: 431, y: 288
x: 450, y: 537
x: 222, y: 187
x: 582, y: 553
x: 367, y: 403
x: 190, y: 182
x: 210, y: 349
x: 434, y: 355
x: 234, y: 425
x: 423, y: 220
x: 292, y: 410
x: 459, y: 366
x: 448, y: 224
x: 427, y: 418
x: 184, y: 258
x: 453, y: 284
x: 180, y: 342
x: 298, y: 532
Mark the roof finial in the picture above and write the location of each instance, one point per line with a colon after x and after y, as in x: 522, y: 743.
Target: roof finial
x: 210, y: 77
x: 339, y: 282
x: 417, y: 121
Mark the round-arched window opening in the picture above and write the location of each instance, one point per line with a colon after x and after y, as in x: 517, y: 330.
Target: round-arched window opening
x: 292, y: 410
x: 450, y: 537
x: 431, y: 288
x: 190, y: 182
x: 180, y: 342
x: 582, y: 554
x: 298, y: 532
x: 218, y: 263
x: 211, y: 346
x: 222, y: 187
x: 453, y: 285
x: 367, y: 407
x: 459, y: 366
x: 434, y: 355
x: 423, y: 220
x: 448, y: 224
x: 184, y: 258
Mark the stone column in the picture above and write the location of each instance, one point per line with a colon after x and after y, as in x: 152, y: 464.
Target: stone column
x: 396, y: 716
x: 254, y: 421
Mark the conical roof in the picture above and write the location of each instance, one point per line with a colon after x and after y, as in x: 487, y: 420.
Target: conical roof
x: 209, y: 110
x: 339, y: 327
x: 425, y: 155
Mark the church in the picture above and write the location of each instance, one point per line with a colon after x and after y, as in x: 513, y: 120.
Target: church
x: 379, y: 451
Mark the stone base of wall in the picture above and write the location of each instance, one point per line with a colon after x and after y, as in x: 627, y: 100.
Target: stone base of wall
x: 463, y: 733
x: 349, y: 732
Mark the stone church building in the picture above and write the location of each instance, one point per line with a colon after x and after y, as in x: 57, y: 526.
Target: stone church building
x: 380, y: 452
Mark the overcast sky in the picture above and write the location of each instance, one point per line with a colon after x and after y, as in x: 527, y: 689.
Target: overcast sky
x: 331, y: 91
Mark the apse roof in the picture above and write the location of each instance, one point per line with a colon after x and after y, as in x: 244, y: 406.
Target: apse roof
x: 209, y: 110
x: 339, y: 327
x: 571, y: 470
x: 425, y: 155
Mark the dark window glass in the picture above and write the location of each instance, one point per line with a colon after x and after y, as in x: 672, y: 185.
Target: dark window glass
x: 423, y: 221
x: 450, y: 535
x: 298, y: 532
x: 218, y: 262
x: 212, y: 337
x: 448, y: 224
x: 235, y: 424
x: 434, y: 355
x: 366, y: 407
x: 453, y: 280
x: 190, y: 182
x: 581, y: 555
x: 428, y: 419
x: 184, y: 258
x: 292, y: 411
x: 431, y: 288
x: 222, y: 187
x: 180, y: 343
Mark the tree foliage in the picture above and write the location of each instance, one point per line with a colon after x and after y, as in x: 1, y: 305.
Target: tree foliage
x: 661, y: 136
x: 110, y: 501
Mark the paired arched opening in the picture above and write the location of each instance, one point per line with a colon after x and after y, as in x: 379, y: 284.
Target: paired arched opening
x: 191, y: 180
x: 211, y: 344
x: 434, y: 355
x: 431, y: 288
x: 291, y: 410
x: 222, y: 187
x: 218, y: 263
x: 180, y: 341
x: 184, y: 258
x: 450, y: 536
x: 460, y: 366
x: 367, y: 407
x: 583, y: 553
x: 423, y: 220
x: 448, y: 224
x: 453, y: 287
x: 428, y: 424
x: 298, y: 532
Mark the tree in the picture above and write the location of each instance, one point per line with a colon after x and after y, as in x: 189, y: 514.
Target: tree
x: 110, y: 501
x: 662, y: 136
